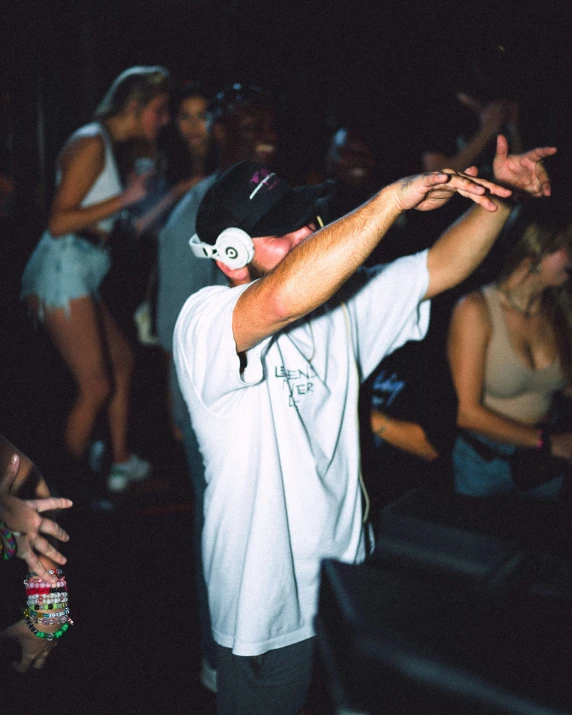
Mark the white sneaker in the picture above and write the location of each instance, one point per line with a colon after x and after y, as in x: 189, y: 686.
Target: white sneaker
x: 208, y: 676
x: 143, y: 321
x: 121, y: 474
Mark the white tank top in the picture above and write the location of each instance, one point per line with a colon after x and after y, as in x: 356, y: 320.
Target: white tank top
x: 107, y: 184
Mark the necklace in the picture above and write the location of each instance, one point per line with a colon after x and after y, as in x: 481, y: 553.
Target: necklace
x: 526, y: 312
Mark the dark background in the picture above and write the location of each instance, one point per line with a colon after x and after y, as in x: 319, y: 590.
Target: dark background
x: 389, y: 64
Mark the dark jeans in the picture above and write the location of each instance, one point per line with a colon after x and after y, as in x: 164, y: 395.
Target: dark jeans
x: 274, y: 683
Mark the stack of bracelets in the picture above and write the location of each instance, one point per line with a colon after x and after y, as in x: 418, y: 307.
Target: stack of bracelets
x: 7, y: 542
x: 47, y: 604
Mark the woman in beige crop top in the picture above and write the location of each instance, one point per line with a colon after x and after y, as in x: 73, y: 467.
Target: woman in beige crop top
x: 61, y: 280
x: 510, y: 346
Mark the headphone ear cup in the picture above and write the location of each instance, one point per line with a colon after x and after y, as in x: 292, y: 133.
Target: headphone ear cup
x: 234, y: 248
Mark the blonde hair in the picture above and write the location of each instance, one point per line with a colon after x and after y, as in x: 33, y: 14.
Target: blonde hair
x: 139, y: 83
x: 540, y: 237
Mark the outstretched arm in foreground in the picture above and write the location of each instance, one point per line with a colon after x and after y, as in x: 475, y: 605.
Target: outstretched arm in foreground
x: 315, y: 269
x: 24, y: 516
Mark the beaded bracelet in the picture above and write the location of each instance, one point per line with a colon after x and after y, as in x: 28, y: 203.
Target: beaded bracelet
x: 46, y: 590
x: 37, y: 617
x: 52, y: 572
x: 8, y: 542
x: 49, y: 620
x: 48, y: 636
x: 47, y: 607
x: 36, y: 583
x: 48, y: 614
x: 52, y: 598
x: 47, y: 597
x: 47, y: 604
x: 32, y: 576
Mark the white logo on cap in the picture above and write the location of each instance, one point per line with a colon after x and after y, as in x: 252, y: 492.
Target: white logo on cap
x: 261, y: 184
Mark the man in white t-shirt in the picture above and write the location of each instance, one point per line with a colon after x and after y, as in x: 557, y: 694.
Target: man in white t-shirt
x: 270, y: 368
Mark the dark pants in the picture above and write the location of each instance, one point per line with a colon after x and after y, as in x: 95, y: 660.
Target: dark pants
x: 275, y: 683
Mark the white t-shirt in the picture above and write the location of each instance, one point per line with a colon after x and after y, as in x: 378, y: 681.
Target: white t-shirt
x: 281, y: 448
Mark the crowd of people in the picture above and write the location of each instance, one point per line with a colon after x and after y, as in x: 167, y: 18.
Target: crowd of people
x: 310, y: 357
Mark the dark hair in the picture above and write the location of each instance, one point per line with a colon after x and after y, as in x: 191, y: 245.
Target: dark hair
x: 190, y: 88
x: 139, y: 83
x: 237, y: 93
x: 179, y: 161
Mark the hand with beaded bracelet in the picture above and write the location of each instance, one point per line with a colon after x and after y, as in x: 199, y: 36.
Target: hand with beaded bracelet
x: 38, y: 632
x: 23, y: 518
x: 33, y: 638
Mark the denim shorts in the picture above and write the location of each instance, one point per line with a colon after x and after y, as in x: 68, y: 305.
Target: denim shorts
x: 62, y: 269
x: 480, y: 477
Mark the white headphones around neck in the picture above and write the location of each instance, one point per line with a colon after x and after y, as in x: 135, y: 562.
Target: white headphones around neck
x: 233, y: 247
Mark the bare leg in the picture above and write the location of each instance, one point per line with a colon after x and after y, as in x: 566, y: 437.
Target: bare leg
x: 122, y: 365
x: 76, y: 336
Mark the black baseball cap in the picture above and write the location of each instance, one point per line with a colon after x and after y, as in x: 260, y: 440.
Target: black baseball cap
x: 252, y: 197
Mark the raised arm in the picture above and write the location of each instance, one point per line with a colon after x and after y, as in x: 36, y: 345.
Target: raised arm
x: 314, y: 270
x: 491, y: 117
x: 81, y: 162
x: 465, y: 244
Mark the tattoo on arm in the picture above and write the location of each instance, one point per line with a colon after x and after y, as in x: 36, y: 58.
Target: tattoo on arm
x: 406, y: 183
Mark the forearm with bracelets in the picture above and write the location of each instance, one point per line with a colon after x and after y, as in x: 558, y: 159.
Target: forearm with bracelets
x: 47, y: 608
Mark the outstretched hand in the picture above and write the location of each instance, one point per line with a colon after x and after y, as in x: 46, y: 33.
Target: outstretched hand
x: 426, y: 192
x: 24, y: 518
x: 34, y: 650
x: 523, y: 172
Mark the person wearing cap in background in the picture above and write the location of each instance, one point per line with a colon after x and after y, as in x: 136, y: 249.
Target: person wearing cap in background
x: 242, y: 121
x: 270, y: 368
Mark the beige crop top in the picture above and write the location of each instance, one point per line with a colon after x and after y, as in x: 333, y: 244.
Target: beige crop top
x: 510, y: 387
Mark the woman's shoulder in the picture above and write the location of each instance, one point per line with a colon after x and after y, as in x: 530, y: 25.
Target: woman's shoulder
x: 85, y: 144
x: 472, y: 308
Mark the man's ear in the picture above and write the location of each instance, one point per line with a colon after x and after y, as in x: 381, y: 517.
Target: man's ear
x: 236, y: 276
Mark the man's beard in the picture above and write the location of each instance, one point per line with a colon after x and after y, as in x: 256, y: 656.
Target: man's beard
x: 255, y: 272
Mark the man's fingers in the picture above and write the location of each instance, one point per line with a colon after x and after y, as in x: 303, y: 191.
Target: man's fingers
x: 43, y: 546
x: 540, y: 153
x: 502, y: 147
x: 481, y: 199
x: 49, y: 503
x: 434, y: 178
x: 47, y: 526
x: 474, y: 185
x: 35, y: 565
x: 10, y: 473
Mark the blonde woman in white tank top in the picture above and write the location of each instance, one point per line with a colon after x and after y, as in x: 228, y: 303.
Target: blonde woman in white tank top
x: 61, y: 280
x: 510, y: 352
